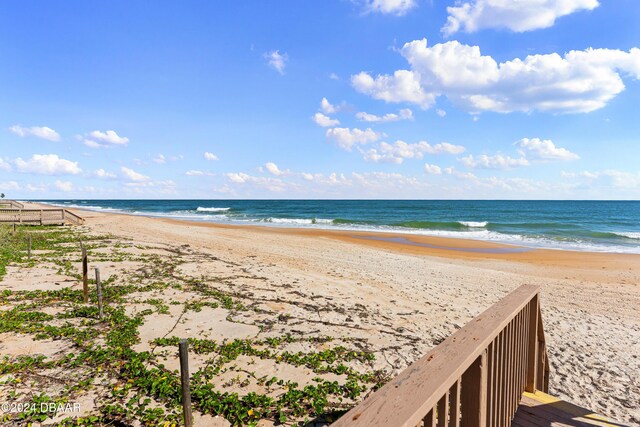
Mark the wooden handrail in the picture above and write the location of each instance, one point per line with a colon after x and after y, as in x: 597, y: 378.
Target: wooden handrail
x: 40, y: 216
x: 477, y: 374
x: 12, y: 204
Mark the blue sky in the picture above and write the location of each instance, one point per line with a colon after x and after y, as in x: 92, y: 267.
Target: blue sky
x: 422, y: 99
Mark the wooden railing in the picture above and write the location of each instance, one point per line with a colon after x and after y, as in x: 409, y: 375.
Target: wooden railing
x: 40, y: 216
x: 474, y: 378
x: 10, y: 204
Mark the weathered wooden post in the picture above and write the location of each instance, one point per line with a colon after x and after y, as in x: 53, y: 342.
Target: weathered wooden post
x: 183, y: 346
x: 99, y: 289
x: 85, y: 274
x: 14, y: 228
x: 29, y: 248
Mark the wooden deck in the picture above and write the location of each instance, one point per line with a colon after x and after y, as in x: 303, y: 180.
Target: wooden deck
x: 540, y: 409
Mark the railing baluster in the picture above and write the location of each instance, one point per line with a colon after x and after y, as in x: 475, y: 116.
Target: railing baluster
x: 474, y: 393
x: 443, y: 410
x: 490, y: 384
x: 430, y: 419
x: 454, y: 405
x: 532, y: 349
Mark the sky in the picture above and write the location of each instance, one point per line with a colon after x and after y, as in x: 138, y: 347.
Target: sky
x: 410, y: 99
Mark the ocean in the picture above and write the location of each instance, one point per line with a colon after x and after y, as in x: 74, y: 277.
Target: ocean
x: 602, y: 226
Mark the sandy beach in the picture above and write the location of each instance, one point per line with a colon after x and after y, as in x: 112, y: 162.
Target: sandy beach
x: 391, y: 295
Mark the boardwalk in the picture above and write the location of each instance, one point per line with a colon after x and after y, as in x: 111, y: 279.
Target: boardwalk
x: 493, y: 372
x: 14, y: 212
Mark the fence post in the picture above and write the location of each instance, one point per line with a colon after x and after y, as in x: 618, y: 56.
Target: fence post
x: 474, y: 393
x: 99, y: 289
x: 41, y: 215
x: 183, y: 346
x: 85, y: 274
x: 532, y: 346
x: 29, y: 248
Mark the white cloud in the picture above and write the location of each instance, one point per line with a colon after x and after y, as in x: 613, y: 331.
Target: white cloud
x: 194, y: 172
x: 37, y: 131
x: 307, y: 176
x: 537, y: 149
x: 210, y: 156
x: 432, y: 169
x: 404, y: 114
x: 440, y: 112
x: 607, y: 178
x: 518, y: 16
x: 9, y: 185
x: 444, y: 148
x: 579, y: 81
x: 97, y: 139
x: 47, y: 164
x: 324, y: 121
x: 264, y: 183
x: 160, y: 159
x: 403, y: 86
x: 132, y: 175
x: 497, y: 161
x: 4, y: 165
x: 389, y: 7
x: 273, y: 169
x: 103, y: 174
x: 400, y: 150
x: 334, y: 76
x: 328, y: 108
x: 346, y: 138
x: 277, y: 60
x: 65, y: 186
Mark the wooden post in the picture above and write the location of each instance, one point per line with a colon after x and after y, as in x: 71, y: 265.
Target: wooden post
x: 99, y: 289
x: 29, y: 248
x: 85, y: 274
x: 183, y: 346
x: 474, y: 393
x: 532, y: 347
x: 41, y: 215
x: 14, y: 228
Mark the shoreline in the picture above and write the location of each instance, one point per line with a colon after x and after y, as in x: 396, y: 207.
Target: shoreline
x: 503, y: 241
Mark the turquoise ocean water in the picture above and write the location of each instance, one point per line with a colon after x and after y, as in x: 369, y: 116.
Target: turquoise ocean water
x: 604, y: 226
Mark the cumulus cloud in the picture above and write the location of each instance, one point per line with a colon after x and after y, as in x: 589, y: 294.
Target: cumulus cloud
x: 402, y: 86
x: 47, y: 164
x: 432, y: 169
x: 194, y: 172
x: 210, y: 156
x: 98, y: 139
x: 65, y: 186
x: 9, y: 185
x: 400, y: 150
x: 404, y: 114
x: 273, y: 169
x: 389, y: 7
x: 132, y: 175
x: 537, y: 149
x: 497, y: 161
x: 324, y: 121
x: 518, y: 16
x: 607, y: 178
x: 103, y: 174
x: 277, y: 60
x: 43, y: 132
x: 4, y: 165
x: 440, y: 112
x: 578, y: 82
x: 346, y: 138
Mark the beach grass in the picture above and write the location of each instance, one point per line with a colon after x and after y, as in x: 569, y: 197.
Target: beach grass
x: 97, y: 359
